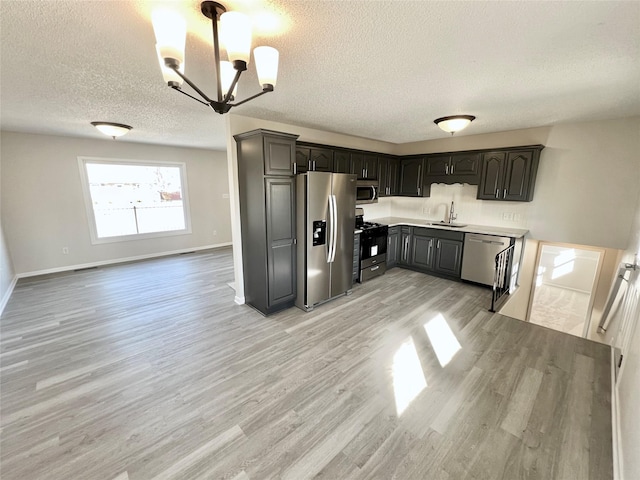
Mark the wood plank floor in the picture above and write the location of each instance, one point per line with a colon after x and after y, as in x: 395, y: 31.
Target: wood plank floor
x: 150, y: 371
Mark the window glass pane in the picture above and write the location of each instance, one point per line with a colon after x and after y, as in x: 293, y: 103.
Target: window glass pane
x: 135, y: 199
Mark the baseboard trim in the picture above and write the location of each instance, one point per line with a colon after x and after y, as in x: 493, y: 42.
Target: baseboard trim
x: 239, y: 300
x: 615, y: 423
x: 7, y: 294
x: 119, y: 260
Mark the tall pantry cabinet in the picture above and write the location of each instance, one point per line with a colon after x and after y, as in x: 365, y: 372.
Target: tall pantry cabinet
x: 266, y: 186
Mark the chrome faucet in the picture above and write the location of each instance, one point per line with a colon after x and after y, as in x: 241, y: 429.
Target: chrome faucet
x: 452, y: 216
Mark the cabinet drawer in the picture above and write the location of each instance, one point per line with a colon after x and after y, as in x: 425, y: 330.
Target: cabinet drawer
x: 372, y: 272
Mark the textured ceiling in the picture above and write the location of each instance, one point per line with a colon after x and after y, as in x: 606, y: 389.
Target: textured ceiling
x: 380, y: 70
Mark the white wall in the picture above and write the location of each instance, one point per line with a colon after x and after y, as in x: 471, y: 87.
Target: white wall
x: 7, y: 275
x: 43, y: 207
x: 628, y: 383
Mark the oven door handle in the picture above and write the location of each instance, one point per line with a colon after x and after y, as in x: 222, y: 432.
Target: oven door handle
x: 373, y: 193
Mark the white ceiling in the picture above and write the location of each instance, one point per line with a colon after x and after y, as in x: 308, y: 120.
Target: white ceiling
x: 380, y: 70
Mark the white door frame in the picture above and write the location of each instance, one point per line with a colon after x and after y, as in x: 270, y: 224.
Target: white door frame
x: 596, y: 278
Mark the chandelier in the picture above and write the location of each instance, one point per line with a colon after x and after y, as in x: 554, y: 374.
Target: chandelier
x: 235, y: 33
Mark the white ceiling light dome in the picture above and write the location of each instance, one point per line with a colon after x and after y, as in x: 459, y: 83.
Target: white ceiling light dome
x: 454, y: 123
x: 112, y: 129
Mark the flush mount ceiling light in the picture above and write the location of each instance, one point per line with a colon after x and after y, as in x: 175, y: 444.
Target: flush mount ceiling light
x: 235, y: 32
x: 454, y: 123
x: 112, y: 129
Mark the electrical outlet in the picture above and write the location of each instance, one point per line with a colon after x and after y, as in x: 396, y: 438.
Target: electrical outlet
x: 426, y: 210
x: 225, y: 195
x: 517, y: 217
x: 65, y: 250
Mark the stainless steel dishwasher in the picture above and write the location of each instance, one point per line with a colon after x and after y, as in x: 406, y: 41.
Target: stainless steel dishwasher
x: 479, y: 258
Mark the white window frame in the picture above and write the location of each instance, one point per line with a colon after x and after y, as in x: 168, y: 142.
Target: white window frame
x: 84, y: 180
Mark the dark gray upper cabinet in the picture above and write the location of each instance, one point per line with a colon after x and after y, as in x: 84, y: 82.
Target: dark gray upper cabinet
x: 321, y: 160
x: 303, y: 159
x: 509, y: 175
x: 452, y: 168
x: 465, y: 165
x: 437, y: 165
x: 411, y: 178
x: 266, y: 191
x: 506, y: 174
x: 491, y: 175
x: 313, y: 159
x: 364, y: 165
x: 388, y: 175
x: 341, y: 161
x: 278, y: 155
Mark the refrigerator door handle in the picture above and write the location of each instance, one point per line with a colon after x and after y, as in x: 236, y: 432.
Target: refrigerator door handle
x: 330, y: 236
x: 334, y: 227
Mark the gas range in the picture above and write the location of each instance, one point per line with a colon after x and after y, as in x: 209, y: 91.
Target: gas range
x: 373, y: 247
x: 367, y: 225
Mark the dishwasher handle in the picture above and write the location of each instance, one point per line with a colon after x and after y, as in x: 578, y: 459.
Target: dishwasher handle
x: 477, y: 240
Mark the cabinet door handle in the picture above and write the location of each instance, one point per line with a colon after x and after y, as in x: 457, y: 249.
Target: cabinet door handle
x: 451, y: 173
x: 446, y: 169
x: 497, y: 193
x: 295, y: 168
x: 504, y: 194
x: 373, y: 269
x: 438, y: 243
x: 418, y: 191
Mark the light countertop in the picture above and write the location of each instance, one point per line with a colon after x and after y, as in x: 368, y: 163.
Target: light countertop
x: 468, y: 228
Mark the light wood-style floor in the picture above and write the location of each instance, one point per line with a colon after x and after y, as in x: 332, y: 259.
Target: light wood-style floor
x: 150, y: 371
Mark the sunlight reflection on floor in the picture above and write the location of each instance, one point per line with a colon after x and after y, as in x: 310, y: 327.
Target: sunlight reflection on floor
x: 408, y: 377
x: 442, y: 338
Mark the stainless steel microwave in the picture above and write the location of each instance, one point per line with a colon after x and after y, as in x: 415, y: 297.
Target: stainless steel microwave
x: 366, y: 191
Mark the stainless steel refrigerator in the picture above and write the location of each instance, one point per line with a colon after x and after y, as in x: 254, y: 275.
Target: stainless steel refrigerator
x: 326, y: 204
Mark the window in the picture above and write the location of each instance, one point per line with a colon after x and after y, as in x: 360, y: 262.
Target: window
x: 129, y: 199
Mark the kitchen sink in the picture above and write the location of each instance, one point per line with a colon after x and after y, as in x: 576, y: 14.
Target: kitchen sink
x: 445, y: 224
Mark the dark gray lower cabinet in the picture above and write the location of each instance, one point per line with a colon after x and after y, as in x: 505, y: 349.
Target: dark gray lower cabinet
x: 421, y: 250
x: 448, y: 257
x: 356, y: 257
x: 267, y: 218
x: 393, y: 247
x: 281, y: 248
x: 436, y: 251
x: 404, y: 248
x: 427, y: 250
